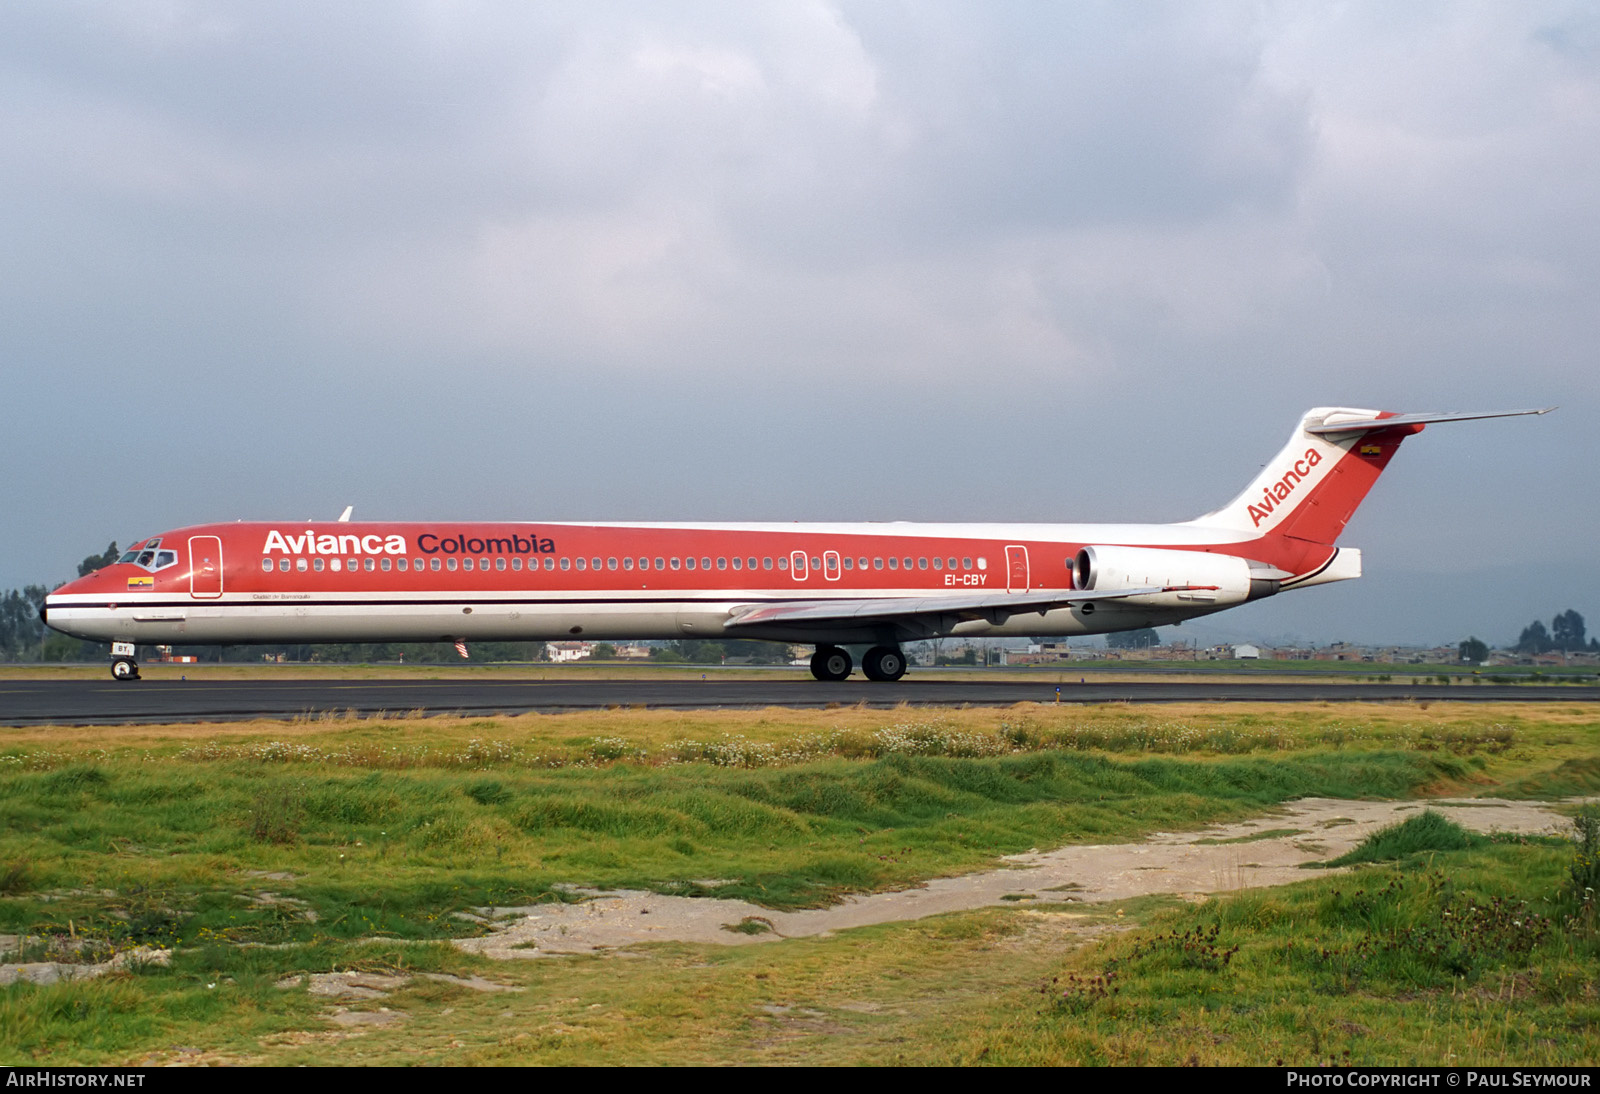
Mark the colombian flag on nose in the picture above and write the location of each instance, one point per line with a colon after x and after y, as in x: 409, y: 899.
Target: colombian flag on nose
x: 141, y: 582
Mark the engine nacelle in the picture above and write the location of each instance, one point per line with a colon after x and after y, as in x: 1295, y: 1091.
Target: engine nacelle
x: 1220, y: 579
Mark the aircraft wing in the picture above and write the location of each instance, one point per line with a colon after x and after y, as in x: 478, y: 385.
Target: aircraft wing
x: 1364, y: 425
x: 993, y: 607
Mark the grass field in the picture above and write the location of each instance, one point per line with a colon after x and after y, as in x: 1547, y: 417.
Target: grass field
x: 263, y: 852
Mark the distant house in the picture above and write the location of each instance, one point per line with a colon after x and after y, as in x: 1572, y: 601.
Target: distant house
x: 1247, y: 653
x: 568, y: 651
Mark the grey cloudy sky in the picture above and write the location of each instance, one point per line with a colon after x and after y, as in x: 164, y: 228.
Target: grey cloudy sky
x: 1053, y: 261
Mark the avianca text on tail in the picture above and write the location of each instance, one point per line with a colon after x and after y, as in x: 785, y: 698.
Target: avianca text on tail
x: 829, y: 585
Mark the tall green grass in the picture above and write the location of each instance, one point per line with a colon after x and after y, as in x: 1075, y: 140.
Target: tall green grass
x: 1472, y: 959
x: 1427, y: 831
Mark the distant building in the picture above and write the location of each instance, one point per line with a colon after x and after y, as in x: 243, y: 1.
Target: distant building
x: 568, y: 651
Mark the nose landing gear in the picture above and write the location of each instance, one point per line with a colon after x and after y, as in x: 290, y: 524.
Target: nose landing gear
x: 123, y: 666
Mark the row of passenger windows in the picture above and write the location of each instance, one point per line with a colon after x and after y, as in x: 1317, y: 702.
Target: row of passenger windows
x: 643, y: 563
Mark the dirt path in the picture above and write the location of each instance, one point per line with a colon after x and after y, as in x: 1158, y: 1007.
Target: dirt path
x: 1217, y: 859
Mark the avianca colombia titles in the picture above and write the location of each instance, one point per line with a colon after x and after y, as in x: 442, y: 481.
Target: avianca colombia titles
x: 830, y: 585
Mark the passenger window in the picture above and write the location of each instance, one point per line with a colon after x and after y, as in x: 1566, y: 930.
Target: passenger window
x: 550, y: 563
x: 433, y: 564
x: 333, y: 564
x: 466, y: 564
x: 688, y: 563
x: 582, y: 562
x: 783, y: 563
x: 594, y: 563
x: 950, y: 564
x: 500, y: 563
x: 752, y: 562
x: 400, y: 564
x: 516, y: 564
x: 983, y: 563
x: 877, y: 563
x: 627, y: 563
x: 737, y: 562
x: 849, y: 563
x: 317, y: 564
x: 566, y: 563
x: 674, y: 562
x: 483, y: 564
x: 705, y: 564
x: 387, y: 565
x: 450, y: 564
x: 722, y: 563
x: 816, y: 563
x: 922, y: 563
x: 421, y: 565
x: 894, y: 563
x: 370, y: 565
x: 300, y: 565
x: 283, y: 565
x: 611, y: 563
x: 266, y: 564
x: 661, y: 564
x: 938, y: 563
x: 966, y: 564
x: 766, y: 563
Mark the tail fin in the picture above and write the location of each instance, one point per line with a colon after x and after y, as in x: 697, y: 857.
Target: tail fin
x: 1310, y: 490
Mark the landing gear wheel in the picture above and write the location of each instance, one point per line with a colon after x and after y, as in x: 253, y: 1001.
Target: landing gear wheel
x: 125, y: 668
x: 884, y: 663
x: 831, y: 663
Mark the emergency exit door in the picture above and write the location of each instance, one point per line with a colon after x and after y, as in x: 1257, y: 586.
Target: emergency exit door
x: 1016, y: 569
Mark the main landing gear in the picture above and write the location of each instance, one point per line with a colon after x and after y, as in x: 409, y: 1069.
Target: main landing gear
x: 882, y: 663
x: 830, y: 663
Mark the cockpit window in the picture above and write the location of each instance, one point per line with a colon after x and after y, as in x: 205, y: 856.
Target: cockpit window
x: 150, y: 556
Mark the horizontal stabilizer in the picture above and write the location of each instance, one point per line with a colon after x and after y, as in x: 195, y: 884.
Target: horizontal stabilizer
x: 1364, y: 425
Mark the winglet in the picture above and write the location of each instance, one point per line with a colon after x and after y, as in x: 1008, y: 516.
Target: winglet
x: 344, y: 517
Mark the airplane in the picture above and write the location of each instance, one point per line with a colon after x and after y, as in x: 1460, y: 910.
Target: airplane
x: 827, y: 585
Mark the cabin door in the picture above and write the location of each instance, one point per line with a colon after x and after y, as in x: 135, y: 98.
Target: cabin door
x: 205, y: 567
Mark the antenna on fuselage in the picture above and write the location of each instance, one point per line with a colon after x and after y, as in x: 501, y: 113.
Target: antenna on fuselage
x: 344, y: 517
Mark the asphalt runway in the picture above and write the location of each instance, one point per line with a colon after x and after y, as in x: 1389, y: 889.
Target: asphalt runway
x: 89, y: 702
